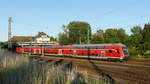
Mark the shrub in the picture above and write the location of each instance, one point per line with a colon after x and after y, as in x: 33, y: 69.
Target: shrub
x: 146, y: 55
x: 134, y: 53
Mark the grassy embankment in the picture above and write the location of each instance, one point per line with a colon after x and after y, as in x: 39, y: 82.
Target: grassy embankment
x: 22, y: 70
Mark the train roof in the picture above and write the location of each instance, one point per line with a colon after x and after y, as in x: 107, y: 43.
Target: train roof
x: 107, y: 44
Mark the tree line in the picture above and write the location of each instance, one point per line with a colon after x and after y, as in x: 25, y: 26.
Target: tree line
x: 78, y: 32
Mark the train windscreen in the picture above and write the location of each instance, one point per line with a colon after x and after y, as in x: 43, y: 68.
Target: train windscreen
x: 125, y: 51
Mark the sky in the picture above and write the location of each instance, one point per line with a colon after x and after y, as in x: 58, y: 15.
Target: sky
x: 32, y: 16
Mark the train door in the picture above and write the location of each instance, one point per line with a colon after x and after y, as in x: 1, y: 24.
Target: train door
x: 39, y: 51
x: 103, y: 54
x: 74, y: 52
x: 34, y: 51
x: 60, y: 51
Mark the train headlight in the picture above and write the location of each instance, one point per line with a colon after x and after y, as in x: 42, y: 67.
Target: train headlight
x: 117, y: 51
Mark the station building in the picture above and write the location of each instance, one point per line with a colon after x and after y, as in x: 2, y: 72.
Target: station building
x: 40, y: 39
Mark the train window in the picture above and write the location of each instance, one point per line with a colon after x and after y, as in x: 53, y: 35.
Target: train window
x: 100, y: 47
x: 110, y: 51
x: 96, y: 47
x: 78, y: 47
x: 93, y: 47
x: 125, y: 50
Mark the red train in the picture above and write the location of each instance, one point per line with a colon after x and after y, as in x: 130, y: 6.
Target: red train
x: 101, y: 51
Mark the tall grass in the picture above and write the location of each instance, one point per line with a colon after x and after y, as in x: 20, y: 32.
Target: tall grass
x: 17, y: 69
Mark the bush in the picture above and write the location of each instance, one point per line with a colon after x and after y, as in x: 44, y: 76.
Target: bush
x: 146, y: 55
x: 134, y: 53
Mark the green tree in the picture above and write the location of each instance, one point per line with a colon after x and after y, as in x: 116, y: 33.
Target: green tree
x: 136, y: 40
x: 136, y: 45
x: 146, y: 36
x: 115, y: 36
x: 79, y: 32
x: 111, y: 36
x: 136, y: 30
x: 53, y: 38
x: 98, y: 37
x: 122, y: 36
x: 136, y: 36
x: 63, y: 39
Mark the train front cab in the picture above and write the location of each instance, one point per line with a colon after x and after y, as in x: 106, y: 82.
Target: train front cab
x: 116, y: 52
x: 125, y: 53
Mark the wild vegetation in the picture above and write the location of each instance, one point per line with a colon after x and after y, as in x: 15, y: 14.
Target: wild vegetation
x: 138, y: 42
x: 1, y: 43
x: 16, y: 69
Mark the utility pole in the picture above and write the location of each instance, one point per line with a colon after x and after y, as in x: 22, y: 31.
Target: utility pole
x: 79, y: 37
x: 66, y: 30
x: 9, y: 32
x: 88, y: 37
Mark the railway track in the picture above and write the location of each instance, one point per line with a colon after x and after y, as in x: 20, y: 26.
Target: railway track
x: 132, y: 76
x: 132, y: 72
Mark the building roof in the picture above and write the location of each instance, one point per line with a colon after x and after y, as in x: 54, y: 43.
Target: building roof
x: 22, y: 38
x: 29, y: 38
x: 40, y: 34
